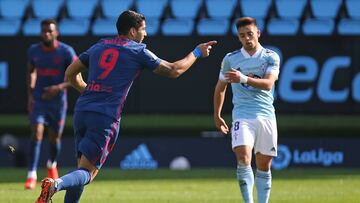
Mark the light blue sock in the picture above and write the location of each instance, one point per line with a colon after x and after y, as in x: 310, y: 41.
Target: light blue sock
x: 263, y: 185
x: 245, y: 177
x: 77, y: 178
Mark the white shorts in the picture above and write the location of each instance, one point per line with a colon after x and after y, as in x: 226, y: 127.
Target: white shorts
x: 260, y: 134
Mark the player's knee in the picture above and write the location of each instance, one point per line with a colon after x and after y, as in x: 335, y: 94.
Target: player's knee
x: 36, y: 136
x: 54, y: 139
x: 243, y: 159
x: 263, y: 166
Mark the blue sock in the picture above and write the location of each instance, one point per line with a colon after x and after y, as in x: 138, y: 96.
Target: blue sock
x: 35, y: 147
x: 54, y: 151
x: 73, y: 194
x: 77, y: 178
x: 245, y: 177
x: 263, y: 185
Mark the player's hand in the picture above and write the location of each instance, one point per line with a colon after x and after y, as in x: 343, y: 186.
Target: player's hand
x: 206, y: 47
x: 50, y: 92
x: 221, y: 125
x: 235, y: 76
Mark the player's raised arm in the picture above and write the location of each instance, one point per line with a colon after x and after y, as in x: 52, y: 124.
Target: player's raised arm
x: 175, y: 69
x: 73, y: 75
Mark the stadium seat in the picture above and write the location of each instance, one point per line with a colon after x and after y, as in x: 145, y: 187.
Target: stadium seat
x: 255, y: 8
x: 31, y: 27
x: 325, y: 8
x: 353, y: 8
x: 9, y: 27
x: 349, y: 27
x: 74, y: 27
x: 290, y: 9
x: 46, y: 8
x: 185, y: 8
x: 318, y: 26
x: 151, y: 9
x: 104, y: 27
x: 13, y: 8
x: 80, y: 8
x: 177, y: 27
x: 282, y: 26
x: 112, y: 8
x: 260, y: 24
x: 213, y: 27
x: 152, y: 26
x: 107, y: 26
x: 220, y: 9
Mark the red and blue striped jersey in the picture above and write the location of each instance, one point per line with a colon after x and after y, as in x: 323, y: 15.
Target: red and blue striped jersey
x: 113, y: 64
x: 50, y: 66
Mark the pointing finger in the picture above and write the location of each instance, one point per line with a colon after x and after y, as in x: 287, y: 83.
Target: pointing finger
x: 210, y: 43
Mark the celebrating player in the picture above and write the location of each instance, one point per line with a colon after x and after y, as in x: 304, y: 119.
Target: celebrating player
x: 252, y: 72
x: 112, y: 66
x: 47, y: 100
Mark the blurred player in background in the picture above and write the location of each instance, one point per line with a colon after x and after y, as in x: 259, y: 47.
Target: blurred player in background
x: 112, y: 64
x: 252, y: 72
x: 47, y: 100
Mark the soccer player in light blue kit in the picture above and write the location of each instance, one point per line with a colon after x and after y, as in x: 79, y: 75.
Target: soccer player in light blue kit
x: 252, y: 72
x: 112, y: 64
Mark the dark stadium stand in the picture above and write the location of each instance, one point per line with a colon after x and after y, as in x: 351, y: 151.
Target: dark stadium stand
x: 184, y: 17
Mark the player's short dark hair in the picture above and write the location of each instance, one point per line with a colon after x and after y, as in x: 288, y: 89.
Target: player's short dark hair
x: 127, y: 20
x: 244, y: 21
x: 48, y: 21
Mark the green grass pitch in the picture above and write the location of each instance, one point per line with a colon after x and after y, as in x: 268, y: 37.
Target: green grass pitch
x: 195, y: 186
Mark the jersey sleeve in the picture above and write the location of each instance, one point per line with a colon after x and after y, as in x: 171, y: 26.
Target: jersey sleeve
x: 273, y: 64
x: 71, y: 55
x: 29, y: 56
x: 149, y: 59
x: 225, y: 66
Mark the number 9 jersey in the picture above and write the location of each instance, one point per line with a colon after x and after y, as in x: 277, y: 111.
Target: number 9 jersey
x: 113, y: 64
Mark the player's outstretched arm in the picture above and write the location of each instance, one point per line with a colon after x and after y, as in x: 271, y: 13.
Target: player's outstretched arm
x: 219, y: 97
x: 73, y: 75
x: 53, y: 90
x: 174, y: 70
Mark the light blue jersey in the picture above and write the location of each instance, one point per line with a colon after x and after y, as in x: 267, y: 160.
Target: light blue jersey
x: 250, y: 102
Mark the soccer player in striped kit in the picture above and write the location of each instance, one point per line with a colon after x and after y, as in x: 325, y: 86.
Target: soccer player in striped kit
x: 252, y: 72
x: 112, y: 65
x: 47, y: 100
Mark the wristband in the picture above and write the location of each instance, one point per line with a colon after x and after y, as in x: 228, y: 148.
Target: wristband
x: 243, y: 78
x: 197, y: 52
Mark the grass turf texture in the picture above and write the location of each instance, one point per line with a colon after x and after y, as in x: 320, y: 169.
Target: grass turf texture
x: 193, y: 125
x: 194, y: 186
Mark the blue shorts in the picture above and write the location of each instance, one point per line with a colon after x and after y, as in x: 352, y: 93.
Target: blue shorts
x: 50, y: 114
x: 95, y: 136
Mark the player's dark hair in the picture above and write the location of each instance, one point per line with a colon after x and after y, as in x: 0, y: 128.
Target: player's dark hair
x: 127, y: 20
x: 244, y: 21
x: 48, y: 21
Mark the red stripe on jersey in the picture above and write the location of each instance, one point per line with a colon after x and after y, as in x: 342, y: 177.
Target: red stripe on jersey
x: 47, y: 72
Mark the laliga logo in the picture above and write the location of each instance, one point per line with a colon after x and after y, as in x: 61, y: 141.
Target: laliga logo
x: 315, y: 156
x: 283, y: 158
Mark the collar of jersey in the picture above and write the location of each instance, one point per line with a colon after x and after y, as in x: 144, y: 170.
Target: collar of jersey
x: 247, y: 55
x: 56, y: 44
